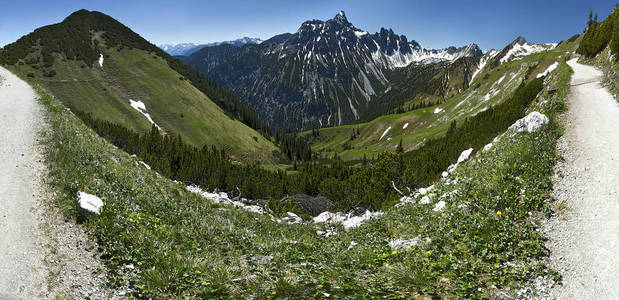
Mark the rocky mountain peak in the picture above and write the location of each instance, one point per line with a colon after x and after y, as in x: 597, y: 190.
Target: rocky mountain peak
x: 519, y: 40
x: 341, y: 17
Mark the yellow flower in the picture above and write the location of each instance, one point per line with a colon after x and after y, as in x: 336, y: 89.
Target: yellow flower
x: 498, y: 212
x: 394, y: 252
x: 505, y: 191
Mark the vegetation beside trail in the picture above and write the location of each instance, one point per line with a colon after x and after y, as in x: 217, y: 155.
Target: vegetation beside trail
x: 484, y: 243
x: 598, y: 35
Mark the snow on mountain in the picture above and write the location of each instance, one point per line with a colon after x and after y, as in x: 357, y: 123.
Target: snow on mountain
x: 483, y: 61
x: 521, y: 48
x: 333, y: 72
x: 186, y: 49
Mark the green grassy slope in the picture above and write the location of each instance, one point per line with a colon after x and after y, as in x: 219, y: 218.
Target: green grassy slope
x: 490, y: 87
x: 172, y: 101
x: 183, y: 246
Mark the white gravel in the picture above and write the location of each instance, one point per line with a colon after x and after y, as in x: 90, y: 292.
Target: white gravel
x: 585, y: 240
x: 21, y: 260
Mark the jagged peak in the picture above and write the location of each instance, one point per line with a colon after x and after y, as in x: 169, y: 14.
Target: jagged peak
x: 520, y: 40
x: 341, y: 16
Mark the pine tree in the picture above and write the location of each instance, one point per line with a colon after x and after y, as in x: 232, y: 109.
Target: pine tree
x: 400, y: 149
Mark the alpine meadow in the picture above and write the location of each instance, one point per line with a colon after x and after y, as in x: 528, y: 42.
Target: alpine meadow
x: 235, y: 160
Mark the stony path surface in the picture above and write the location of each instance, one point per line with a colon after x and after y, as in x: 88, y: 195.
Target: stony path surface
x: 21, y: 264
x: 585, y: 239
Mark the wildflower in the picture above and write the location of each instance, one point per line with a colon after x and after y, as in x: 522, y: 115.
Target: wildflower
x: 394, y: 252
x: 498, y: 213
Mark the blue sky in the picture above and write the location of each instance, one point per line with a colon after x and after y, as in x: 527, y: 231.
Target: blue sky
x: 435, y: 24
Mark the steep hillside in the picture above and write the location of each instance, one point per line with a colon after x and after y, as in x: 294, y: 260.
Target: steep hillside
x: 489, y: 86
x: 96, y: 65
x: 470, y: 240
x: 327, y: 73
x: 600, y: 47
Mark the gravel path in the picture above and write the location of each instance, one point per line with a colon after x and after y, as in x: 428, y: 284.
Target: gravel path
x: 22, y: 270
x: 584, y: 239
x: 42, y: 254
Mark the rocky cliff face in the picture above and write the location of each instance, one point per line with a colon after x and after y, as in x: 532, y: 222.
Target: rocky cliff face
x: 327, y: 73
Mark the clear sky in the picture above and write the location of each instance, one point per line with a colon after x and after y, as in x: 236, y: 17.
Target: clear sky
x: 434, y: 24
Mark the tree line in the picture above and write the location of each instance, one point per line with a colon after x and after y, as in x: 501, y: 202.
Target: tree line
x: 367, y: 186
x: 598, y: 35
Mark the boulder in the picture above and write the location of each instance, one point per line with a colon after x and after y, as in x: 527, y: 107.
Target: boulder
x: 311, y: 205
x: 88, y: 204
x: 401, y: 244
x: 530, y: 123
x: 292, y: 218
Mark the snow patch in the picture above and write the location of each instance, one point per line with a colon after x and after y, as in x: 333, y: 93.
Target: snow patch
x: 141, y: 107
x: 360, y: 33
x: 405, y: 125
x: 438, y: 110
x: 548, y: 70
x: 385, y: 132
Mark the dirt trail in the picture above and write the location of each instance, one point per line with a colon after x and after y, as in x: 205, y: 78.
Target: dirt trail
x: 22, y: 270
x: 585, y: 240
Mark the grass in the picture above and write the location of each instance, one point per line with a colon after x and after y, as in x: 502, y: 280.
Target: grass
x: 609, y: 66
x: 173, y: 103
x: 424, y: 123
x: 184, y: 246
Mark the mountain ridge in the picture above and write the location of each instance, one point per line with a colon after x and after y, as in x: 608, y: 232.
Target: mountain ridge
x: 326, y: 73
x: 97, y: 65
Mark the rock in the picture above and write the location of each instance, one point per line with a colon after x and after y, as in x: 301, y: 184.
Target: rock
x: 254, y: 208
x: 353, y: 222
x: 465, y: 155
x: 530, y: 123
x: 439, y: 206
x: 425, y: 200
x: 352, y: 245
x: 311, y: 205
x: 487, y: 147
x: 88, y: 204
x: 445, y: 174
x: 401, y: 244
x: 145, y: 165
x: 329, y: 217
x: 292, y: 218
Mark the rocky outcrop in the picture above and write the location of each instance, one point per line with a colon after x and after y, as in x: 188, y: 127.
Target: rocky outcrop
x: 530, y: 123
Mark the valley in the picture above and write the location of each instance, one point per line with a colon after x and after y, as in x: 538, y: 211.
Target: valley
x: 326, y: 163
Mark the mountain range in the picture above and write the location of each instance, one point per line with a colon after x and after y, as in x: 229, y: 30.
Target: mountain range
x: 185, y: 49
x: 332, y: 73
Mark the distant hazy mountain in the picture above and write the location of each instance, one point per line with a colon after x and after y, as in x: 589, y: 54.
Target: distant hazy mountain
x: 329, y: 72
x: 185, y: 49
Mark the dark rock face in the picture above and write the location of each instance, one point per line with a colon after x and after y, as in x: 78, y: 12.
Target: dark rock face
x: 327, y: 73
x: 312, y: 205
